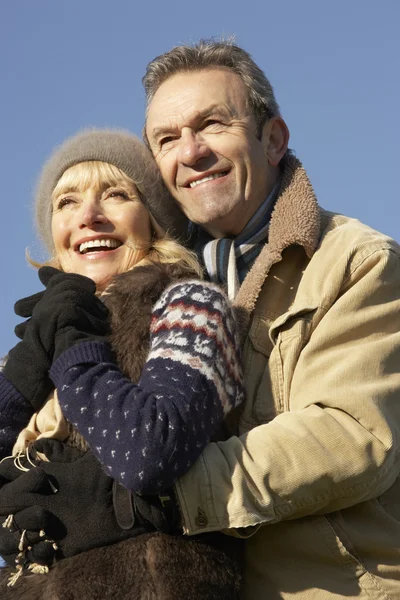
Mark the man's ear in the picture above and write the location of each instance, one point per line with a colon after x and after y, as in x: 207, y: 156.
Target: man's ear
x: 275, y: 139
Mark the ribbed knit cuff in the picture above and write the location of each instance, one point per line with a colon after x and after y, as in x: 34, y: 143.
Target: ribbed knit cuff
x: 84, y: 353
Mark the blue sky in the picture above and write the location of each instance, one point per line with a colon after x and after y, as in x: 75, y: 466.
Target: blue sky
x: 67, y: 65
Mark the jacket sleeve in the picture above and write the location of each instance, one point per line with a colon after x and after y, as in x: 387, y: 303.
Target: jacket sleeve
x: 338, y: 443
x: 15, y: 413
x: 147, y: 435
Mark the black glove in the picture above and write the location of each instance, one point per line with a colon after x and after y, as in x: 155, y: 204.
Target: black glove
x: 67, y: 312
x: 28, y: 364
x: 70, y: 498
x: 24, y: 308
x: 33, y: 520
x: 162, y: 512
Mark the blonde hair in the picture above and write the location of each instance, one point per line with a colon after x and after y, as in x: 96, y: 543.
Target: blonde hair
x: 98, y: 174
x: 91, y: 173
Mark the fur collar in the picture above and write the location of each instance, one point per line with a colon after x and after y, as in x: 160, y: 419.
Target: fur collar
x: 130, y: 299
x: 295, y: 220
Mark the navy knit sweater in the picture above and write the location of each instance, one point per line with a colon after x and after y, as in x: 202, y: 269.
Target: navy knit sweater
x: 147, y: 435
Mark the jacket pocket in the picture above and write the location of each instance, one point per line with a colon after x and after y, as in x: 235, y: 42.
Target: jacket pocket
x: 369, y: 535
x: 389, y: 502
x: 289, y: 335
x: 260, y: 406
x: 344, y: 553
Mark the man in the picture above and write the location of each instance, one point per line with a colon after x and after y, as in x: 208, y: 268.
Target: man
x: 312, y: 479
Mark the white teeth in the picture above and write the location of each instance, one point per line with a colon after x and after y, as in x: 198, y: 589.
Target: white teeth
x: 193, y: 184
x: 109, y: 243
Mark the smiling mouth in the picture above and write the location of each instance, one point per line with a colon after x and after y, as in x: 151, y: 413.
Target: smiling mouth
x: 98, y: 245
x: 193, y: 184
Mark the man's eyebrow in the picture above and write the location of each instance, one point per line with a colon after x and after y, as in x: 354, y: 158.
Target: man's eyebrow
x: 198, y: 117
x: 162, y: 130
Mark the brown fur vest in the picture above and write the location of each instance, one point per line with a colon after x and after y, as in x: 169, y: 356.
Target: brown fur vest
x: 153, y: 566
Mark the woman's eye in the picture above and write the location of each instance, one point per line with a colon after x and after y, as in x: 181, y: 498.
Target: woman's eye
x: 118, y: 194
x: 64, y: 202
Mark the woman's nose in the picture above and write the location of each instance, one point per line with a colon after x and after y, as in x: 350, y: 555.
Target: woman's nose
x: 91, y: 214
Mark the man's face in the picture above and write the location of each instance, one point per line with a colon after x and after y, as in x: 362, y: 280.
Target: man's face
x: 204, y: 139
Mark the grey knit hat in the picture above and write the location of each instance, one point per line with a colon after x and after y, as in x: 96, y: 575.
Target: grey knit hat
x: 123, y: 150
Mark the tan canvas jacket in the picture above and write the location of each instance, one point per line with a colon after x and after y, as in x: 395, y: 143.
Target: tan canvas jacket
x: 312, y: 479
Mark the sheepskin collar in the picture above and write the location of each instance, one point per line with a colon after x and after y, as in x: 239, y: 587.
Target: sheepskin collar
x: 295, y: 220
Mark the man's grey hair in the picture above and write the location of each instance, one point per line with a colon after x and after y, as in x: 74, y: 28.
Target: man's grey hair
x: 208, y: 54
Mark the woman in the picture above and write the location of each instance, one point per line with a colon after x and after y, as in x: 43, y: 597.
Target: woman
x: 94, y: 202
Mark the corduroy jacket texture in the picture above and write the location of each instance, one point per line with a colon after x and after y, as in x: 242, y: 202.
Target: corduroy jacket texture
x: 312, y: 478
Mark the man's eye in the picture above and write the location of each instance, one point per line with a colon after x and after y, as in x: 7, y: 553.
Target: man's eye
x: 211, y: 123
x: 166, y: 140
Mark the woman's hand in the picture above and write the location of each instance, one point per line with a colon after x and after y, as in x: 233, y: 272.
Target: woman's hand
x: 27, y: 366
x: 25, y: 528
x: 69, y: 312
x: 70, y: 497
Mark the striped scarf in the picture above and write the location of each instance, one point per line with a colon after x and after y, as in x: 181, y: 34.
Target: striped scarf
x: 227, y: 261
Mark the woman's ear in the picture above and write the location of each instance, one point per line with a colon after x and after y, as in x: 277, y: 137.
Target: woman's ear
x: 157, y: 230
x: 275, y: 139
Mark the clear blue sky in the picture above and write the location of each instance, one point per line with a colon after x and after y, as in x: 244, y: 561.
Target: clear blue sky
x: 65, y: 65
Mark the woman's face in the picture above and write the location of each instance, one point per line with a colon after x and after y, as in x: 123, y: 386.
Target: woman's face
x: 100, y: 231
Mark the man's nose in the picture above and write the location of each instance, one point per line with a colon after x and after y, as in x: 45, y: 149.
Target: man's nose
x: 192, y: 147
